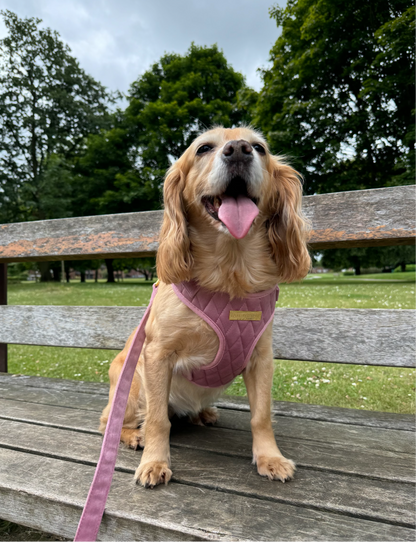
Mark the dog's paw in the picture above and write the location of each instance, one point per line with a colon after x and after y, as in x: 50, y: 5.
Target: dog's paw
x: 133, y: 438
x: 276, y: 468
x: 208, y: 416
x: 153, y: 473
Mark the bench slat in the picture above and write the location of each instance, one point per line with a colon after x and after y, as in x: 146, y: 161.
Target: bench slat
x: 93, y: 396
x: 356, y: 336
x: 334, y: 492
x: 322, y: 432
x: 352, y: 450
x: 58, y: 489
x: 379, y: 217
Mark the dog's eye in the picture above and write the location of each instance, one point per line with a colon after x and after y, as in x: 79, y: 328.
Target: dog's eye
x: 203, y: 149
x: 259, y: 148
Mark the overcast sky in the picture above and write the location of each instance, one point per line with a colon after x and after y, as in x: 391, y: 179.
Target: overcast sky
x: 117, y: 40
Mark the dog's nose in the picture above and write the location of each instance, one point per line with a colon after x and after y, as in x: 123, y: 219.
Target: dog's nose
x: 238, y: 151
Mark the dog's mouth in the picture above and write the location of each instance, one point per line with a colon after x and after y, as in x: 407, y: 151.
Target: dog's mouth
x: 235, y: 208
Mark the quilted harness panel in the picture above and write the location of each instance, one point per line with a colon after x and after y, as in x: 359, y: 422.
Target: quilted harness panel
x: 239, y: 324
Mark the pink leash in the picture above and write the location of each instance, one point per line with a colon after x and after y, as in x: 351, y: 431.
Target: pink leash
x: 94, y: 507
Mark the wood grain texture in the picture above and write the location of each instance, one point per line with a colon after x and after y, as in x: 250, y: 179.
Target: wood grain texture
x: 104, y: 236
x: 55, y: 383
x: 386, y: 420
x: 357, y: 336
x: 379, y: 217
x: 78, y: 327
x: 352, y: 482
x: 380, y: 500
x: 51, y: 397
x: 322, y: 432
x: 94, y: 395
x: 352, y: 452
x: 57, y: 490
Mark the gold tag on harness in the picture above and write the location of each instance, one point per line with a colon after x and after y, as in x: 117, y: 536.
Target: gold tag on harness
x: 245, y: 315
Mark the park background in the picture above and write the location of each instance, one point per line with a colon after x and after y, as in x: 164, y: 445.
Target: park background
x: 334, y: 93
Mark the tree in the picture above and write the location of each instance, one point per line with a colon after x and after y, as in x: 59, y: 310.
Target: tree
x: 177, y: 98
x: 391, y: 93
x: 147, y: 266
x: 122, y: 168
x: 338, y: 98
x: 387, y: 258
x: 48, y: 105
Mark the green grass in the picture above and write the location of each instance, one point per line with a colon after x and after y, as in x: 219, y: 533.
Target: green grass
x: 371, y: 388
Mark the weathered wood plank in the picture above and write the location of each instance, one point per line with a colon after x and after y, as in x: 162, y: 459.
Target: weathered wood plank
x: 372, y: 499
x: 356, y: 336
x: 324, y: 432
x: 387, y: 420
x: 105, y: 236
x: 362, y: 218
x: 52, y: 397
x: 61, y: 384
x: 133, y: 513
x: 381, y: 217
x: 341, y: 458
x: 385, y: 465
x: 78, y: 327
x: 97, y: 394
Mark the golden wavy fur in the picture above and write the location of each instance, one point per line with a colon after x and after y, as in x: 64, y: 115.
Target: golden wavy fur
x: 195, y: 244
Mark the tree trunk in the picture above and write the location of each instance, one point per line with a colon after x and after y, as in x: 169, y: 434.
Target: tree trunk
x: 56, y: 274
x: 357, y: 269
x: 45, y: 272
x: 82, y: 276
x: 67, y: 274
x: 403, y: 267
x: 110, y: 270
x: 96, y: 275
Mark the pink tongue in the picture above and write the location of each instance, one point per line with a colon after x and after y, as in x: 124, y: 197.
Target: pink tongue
x: 237, y: 214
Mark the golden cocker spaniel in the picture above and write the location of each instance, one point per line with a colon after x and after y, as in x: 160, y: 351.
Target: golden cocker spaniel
x: 233, y: 223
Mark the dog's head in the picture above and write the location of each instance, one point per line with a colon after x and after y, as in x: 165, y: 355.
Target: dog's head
x: 227, y: 183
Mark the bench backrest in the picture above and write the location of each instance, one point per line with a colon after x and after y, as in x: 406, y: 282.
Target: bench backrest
x: 380, y: 217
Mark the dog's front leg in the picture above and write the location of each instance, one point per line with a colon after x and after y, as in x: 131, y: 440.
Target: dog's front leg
x: 258, y: 379
x: 157, y: 374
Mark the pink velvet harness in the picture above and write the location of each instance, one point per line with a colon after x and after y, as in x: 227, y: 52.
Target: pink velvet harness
x: 239, y: 324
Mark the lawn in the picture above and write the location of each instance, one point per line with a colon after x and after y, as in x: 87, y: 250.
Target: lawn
x: 371, y: 388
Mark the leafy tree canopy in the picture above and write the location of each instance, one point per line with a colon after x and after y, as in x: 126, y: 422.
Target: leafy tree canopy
x: 338, y: 98
x: 122, y: 168
x: 48, y: 105
x: 180, y: 96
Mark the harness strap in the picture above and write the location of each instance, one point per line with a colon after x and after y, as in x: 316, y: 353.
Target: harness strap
x: 94, y: 507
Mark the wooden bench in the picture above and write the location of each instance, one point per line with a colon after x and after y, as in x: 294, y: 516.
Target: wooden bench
x: 355, y: 476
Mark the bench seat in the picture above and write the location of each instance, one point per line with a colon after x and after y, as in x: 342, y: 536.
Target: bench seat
x: 354, y: 481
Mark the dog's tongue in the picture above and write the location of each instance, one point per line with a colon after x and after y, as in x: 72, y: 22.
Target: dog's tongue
x: 237, y: 214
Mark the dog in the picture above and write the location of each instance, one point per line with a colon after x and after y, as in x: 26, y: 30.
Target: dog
x: 233, y: 224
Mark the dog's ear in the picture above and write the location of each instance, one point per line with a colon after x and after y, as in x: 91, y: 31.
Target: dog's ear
x: 287, y: 228
x: 174, y: 259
